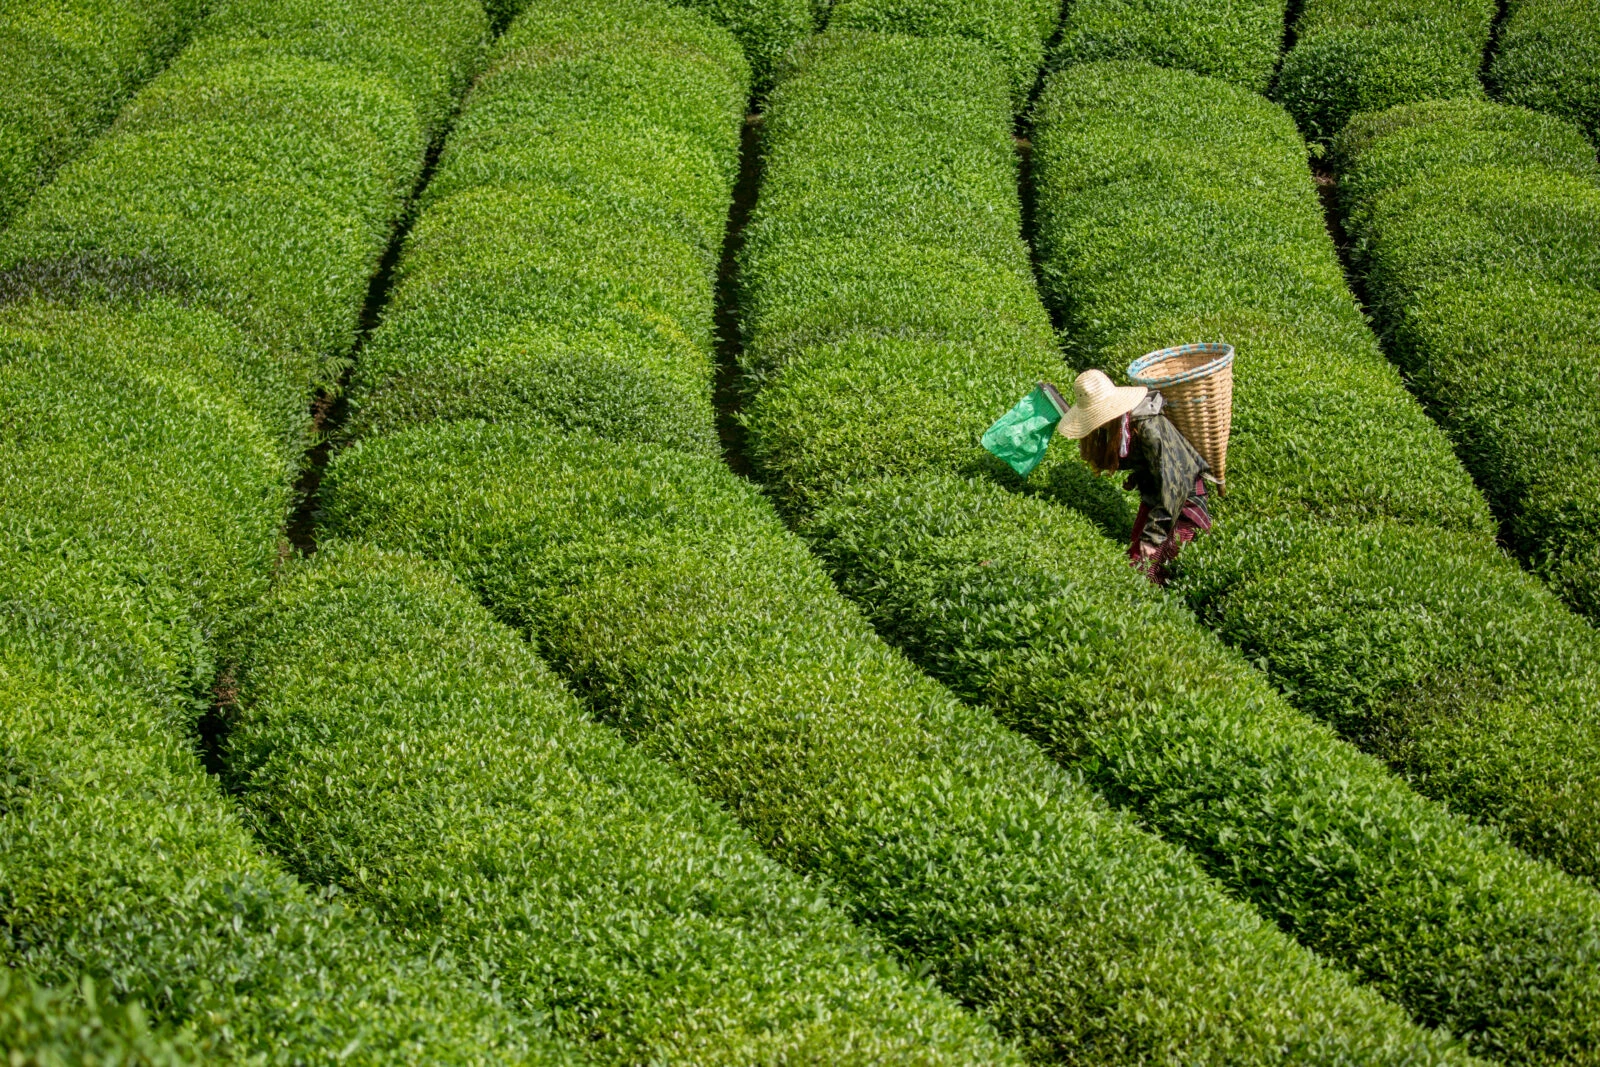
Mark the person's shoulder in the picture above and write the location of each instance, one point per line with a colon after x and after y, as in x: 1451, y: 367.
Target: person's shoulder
x: 1150, y: 406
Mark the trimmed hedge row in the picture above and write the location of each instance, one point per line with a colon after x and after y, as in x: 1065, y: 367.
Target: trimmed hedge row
x: 1363, y: 55
x: 1024, y: 607
x: 561, y: 274
x: 296, y: 212
x: 1237, y: 42
x: 168, y: 303
x: 670, y: 594
x: 147, y: 478
x: 764, y: 28
x: 65, y: 68
x: 1477, y: 227
x: 1014, y: 31
x: 397, y: 741
x: 870, y: 431
x: 1548, y: 58
x: 562, y: 269
x: 42, y: 1027
x: 1353, y: 559
x: 666, y: 588
x: 128, y: 863
x: 226, y: 179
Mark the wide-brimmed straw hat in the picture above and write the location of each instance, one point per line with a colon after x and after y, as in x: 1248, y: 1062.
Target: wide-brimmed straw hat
x: 1095, y: 402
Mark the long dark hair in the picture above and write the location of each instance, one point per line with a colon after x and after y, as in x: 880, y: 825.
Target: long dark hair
x: 1101, y: 449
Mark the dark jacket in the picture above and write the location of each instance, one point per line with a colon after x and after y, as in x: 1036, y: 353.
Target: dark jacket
x: 1162, y: 466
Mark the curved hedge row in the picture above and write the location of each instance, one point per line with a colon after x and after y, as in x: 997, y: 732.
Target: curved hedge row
x: 1238, y: 42
x: 168, y: 303
x: 397, y: 741
x: 1015, y: 32
x: 764, y: 28
x: 669, y: 593
x: 127, y: 863
x: 1357, y: 566
x: 666, y: 588
x: 870, y: 429
x: 562, y: 269
x: 42, y: 1027
x: 283, y: 213
x: 1362, y: 55
x: 561, y: 274
x: 1024, y: 607
x: 1477, y: 227
x: 65, y: 68
x: 1548, y: 58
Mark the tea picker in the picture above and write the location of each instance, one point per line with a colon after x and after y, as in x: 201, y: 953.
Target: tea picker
x: 1168, y: 432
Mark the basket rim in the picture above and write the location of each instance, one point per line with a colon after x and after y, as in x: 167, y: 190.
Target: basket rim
x: 1136, y: 369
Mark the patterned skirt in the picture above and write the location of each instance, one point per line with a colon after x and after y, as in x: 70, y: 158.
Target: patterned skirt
x: 1193, y: 519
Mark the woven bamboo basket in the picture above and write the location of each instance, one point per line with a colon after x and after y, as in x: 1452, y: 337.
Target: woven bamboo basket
x: 1197, y: 383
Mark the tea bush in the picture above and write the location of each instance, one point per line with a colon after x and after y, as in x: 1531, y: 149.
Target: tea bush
x: 290, y: 135
x: 692, y: 619
x: 820, y: 254
x: 1237, y: 42
x: 764, y: 28
x: 681, y: 609
x: 1363, y: 55
x: 561, y: 275
x: 562, y: 269
x: 1023, y: 606
x: 1548, y: 58
x: 156, y: 439
x: 65, y: 68
x: 146, y: 481
x: 1015, y: 32
x: 127, y: 863
x: 166, y: 307
x: 42, y: 1027
x: 1353, y: 558
x: 872, y: 439
x: 397, y: 741
x: 1477, y: 227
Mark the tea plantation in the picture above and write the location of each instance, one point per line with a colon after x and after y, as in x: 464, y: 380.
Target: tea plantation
x: 497, y: 563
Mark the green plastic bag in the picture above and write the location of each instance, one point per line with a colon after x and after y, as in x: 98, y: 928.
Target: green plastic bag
x: 1023, y: 433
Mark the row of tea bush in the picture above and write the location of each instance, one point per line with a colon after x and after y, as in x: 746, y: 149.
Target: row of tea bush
x: 1239, y: 41
x: 168, y: 304
x: 670, y: 595
x: 887, y: 298
x: 1015, y: 33
x: 1547, y: 57
x: 1343, y: 57
x: 65, y: 68
x: 397, y: 741
x: 1349, y: 56
x: 1476, y: 227
x: 1355, y: 558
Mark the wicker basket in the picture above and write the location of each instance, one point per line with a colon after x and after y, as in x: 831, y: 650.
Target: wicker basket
x: 1197, y: 382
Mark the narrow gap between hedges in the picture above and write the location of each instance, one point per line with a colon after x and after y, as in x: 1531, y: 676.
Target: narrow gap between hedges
x: 1022, y: 136
x: 330, y: 408
x: 1493, y: 45
x: 1291, y: 15
x: 727, y: 392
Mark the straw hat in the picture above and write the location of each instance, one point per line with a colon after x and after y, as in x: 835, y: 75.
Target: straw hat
x: 1095, y: 402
